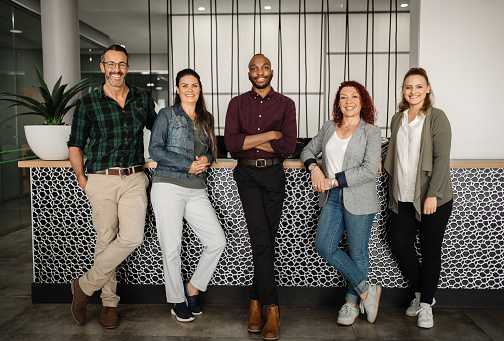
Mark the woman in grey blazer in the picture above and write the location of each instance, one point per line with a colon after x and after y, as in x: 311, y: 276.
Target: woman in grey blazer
x: 350, y: 146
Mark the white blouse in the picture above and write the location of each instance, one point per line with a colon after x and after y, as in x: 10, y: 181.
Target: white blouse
x: 408, y: 154
x: 335, y: 150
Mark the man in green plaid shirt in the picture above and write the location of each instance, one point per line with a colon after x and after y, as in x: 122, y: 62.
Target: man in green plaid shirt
x: 112, y: 117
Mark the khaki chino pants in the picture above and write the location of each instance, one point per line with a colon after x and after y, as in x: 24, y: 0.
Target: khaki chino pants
x: 118, y: 205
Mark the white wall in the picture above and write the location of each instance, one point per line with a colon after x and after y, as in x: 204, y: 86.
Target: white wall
x: 461, y: 46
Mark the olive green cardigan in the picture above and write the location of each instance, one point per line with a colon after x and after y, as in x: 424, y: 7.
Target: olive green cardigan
x: 433, y: 174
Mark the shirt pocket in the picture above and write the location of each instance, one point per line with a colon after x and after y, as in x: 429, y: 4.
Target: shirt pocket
x: 177, y: 133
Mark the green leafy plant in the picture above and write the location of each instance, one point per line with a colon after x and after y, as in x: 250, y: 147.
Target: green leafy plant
x: 54, y: 106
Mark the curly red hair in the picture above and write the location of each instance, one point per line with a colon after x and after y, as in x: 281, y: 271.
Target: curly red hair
x: 368, y: 111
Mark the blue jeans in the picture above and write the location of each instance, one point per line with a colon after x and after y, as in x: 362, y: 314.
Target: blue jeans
x: 334, y: 220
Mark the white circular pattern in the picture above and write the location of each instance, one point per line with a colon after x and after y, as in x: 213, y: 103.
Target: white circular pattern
x: 473, y: 249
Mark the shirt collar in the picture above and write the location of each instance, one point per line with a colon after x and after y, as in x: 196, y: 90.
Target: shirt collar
x: 101, y: 93
x: 270, y: 94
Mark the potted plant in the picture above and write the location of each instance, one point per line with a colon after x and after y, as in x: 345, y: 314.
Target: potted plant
x: 47, y: 141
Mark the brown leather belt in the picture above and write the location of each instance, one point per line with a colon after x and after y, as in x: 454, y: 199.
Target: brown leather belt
x: 260, y: 163
x: 120, y: 171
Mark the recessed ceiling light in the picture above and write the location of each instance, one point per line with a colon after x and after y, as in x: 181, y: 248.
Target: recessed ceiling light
x: 150, y: 84
x: 404, y: 5
x: 201, y: 8
x: 267, y: 7
x: 16, y: 31
x: 159, y: 88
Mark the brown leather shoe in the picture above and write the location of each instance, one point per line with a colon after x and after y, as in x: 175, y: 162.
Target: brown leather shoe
x: 255, y: 323
x: 271, y: 329
x: 79, y: 303
x: 109, y: 318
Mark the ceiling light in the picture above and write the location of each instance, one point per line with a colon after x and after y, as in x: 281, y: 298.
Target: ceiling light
x: 16, y: 31
x: 201, y: 8
x: 159, y: 88
x: 267, y: 7
x: 150, y: 84
x: 404, y: 5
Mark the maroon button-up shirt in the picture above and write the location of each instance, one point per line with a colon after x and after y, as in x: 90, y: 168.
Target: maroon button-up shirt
x: 250, y: 114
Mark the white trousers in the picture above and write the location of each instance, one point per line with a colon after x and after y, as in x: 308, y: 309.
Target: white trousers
x: 171, y: 203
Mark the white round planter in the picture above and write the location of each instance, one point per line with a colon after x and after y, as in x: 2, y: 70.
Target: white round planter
x: 48, y: 142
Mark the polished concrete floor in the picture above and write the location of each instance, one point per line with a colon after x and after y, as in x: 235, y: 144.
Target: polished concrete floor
x: 22, y: 320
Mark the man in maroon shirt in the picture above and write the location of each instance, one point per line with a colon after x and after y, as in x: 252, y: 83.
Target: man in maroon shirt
x: 260, y: 132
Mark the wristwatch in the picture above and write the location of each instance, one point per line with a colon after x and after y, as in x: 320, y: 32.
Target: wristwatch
x: 312, y: 167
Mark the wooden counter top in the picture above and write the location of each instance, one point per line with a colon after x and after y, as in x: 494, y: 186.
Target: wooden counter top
x: 289, y: 163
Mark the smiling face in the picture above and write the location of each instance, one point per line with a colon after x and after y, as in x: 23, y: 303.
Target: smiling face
x: 260, y: 73
x: 350, y: 102
x: 415, y: 90
x: 189, y: 90
x: 115, y: 76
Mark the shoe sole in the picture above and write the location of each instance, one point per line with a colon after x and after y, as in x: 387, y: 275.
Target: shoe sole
x: 180, y: 319
x: 377, y: 304
x: 415, y: 314
x: 349, y: 323
x: 109, y: 327
x: 72, y: 287
x: 425, y: 325
x: 254, y: 330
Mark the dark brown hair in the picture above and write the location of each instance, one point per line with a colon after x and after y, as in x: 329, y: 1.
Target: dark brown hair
x: 368, y: 111
x: 204, y: 118
x: 429, y: 98
x: 115, y: 47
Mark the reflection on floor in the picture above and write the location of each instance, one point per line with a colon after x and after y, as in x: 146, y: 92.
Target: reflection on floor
x: 22, y: 320
x: 14, y: 213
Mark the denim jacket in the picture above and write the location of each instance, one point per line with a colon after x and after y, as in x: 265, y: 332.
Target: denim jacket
x: 172, y: 144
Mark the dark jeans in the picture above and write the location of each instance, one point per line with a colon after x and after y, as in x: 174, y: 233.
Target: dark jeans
x: 262, y: 192
x: 423, y: 277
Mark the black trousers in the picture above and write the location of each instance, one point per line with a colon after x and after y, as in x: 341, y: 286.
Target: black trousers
x: 262, y: 192
x: 424, y: 276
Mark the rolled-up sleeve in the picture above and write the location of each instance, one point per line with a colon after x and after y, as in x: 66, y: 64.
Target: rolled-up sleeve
x: 81, y: 126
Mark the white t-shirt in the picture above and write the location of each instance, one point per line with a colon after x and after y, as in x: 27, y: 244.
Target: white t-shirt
x: 408, y: 155
x: 335, y: 150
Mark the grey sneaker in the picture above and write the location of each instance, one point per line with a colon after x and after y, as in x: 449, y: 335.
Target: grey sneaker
x: 371, y: 303
x: 347, y: 314
x: 414, y: 307
x: 425, y: 318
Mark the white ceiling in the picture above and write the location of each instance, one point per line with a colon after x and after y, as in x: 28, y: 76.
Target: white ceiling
x: 127, y: 22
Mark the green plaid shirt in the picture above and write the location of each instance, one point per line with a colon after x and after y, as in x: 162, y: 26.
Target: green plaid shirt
x: 115, y: 134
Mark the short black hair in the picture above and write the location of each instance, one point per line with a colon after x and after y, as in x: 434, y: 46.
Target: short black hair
x: 116, y: 47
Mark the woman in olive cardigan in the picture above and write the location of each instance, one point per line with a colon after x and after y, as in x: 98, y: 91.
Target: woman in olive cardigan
x: 420, y: 189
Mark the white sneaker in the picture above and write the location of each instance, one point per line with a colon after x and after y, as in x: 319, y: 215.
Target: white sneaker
x: 425, y: 318
x: 347, y: 314
x: 414, y: 307
x: 371, y: 303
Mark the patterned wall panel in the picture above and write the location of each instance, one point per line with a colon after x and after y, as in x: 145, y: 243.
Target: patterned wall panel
x: 473, y: 250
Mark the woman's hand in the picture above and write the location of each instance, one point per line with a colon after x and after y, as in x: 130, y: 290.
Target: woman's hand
x: 199, y: 166
x: 430, y: 205
x: 318, y: 179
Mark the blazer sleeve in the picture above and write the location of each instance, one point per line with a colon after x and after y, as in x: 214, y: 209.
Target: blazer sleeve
x: 368, y: 169
x: 314, y: 147
x: 441, y: 146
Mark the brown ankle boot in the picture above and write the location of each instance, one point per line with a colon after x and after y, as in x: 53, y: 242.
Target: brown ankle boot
x: 255, y: 323
x: 271, y: 329
x: 79, y: 303
x: 109, y: 318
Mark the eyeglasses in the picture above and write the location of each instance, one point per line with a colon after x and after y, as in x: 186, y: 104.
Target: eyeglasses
x: 112, y: 65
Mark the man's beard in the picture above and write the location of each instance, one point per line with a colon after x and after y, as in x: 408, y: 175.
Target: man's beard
x: 110, y: 79
x: 265, y: 85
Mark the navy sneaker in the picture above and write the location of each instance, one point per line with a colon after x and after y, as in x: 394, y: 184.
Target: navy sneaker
x: 182, y: 313
x: 193, y: 302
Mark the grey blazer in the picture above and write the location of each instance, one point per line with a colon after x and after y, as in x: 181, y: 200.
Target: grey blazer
x: 360, y: 166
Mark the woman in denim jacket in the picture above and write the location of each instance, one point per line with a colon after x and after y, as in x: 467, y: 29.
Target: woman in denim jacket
x: 183, y: 144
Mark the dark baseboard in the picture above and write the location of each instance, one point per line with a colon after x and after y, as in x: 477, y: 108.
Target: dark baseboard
x: 300, y: 296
